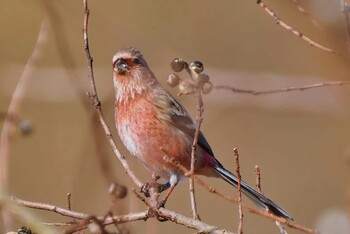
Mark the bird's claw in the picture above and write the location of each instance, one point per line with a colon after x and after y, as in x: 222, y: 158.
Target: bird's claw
x: 162, y: 219
x: 145, y: 189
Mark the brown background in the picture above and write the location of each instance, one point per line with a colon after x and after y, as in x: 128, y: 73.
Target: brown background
x: 299, y: 139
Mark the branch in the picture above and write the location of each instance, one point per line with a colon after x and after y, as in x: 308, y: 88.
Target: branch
x: 240, y: 211
x: 79, y: 215
x: 13, y: 108
x: 191, y: 223
x: 22, y: 214
x: 168, y: 214
x: 233, y: 200
x: 96, y: 102
x: 291, y: 29
x: 199, y: 119
x: 281, y: 90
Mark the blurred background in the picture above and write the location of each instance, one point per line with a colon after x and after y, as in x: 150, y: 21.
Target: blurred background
x: 300, y: 139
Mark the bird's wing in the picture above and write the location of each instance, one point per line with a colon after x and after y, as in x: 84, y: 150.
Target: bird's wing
x: 180, y: 119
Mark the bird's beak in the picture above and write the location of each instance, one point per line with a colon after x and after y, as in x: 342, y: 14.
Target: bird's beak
x: 121, y: 67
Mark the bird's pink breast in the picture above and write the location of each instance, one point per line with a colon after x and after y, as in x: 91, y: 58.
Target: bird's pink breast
x: 148, y: 136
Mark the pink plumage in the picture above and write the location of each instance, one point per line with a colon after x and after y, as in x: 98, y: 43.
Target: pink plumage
x: 152, y: 124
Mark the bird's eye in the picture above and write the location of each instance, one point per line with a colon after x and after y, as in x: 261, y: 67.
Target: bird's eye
x: 137, y: 61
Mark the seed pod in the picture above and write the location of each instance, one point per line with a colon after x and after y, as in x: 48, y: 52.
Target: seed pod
x: 207, y: 87
x: 196, y: 67
x: 177, y: 65
x: 202, y: 78
x: 173, y: 80
x: 186, y: 87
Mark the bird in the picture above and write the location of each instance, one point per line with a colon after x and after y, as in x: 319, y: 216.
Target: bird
x: 152, y: 124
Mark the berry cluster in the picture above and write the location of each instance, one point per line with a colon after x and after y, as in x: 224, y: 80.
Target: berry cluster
x: 197, y: 81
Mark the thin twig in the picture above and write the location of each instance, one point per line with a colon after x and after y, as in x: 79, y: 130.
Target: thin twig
x: 258, y: 185
x: 240, y: 211
x: 291, y: 29
x: 258, y: 178
x: 201, y: 227
x: 13, y: 109
x: 171, y: 215
x: 287, y: 89
x: 79, y: 215
x: 27, y: 218
x: 141, y: 198
x: 281, y: 228
x: 233, y: 200
x: 59, y: 224
x: 199, y: 119
x: 68, y: 200
x: 97, y: 103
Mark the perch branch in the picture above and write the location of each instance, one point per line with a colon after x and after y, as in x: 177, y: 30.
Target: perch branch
x: 96, y: 102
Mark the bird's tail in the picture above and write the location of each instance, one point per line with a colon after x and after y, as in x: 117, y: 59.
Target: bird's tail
x: 259, y: 199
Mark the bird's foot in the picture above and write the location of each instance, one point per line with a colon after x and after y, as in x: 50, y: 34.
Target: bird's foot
x: 145, y: 189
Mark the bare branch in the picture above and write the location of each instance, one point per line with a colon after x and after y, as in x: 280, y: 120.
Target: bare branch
x: 96, y: 101
x: 79, y: 215
x: 291, y: 29
x: 191, y: 223
x: 171, y: 215
x: 199, y: 119
x: 240, y: 211
x: 258, y: 185
x: 13, y: 108
x: 281, y: 90
x: 233, y: 200
x: 28, y: 218
x: 258, y: 178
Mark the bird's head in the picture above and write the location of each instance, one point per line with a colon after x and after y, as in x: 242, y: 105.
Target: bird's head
x: 131, y: 74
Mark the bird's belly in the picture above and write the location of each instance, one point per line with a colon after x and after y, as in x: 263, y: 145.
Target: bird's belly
x: 150, y: 139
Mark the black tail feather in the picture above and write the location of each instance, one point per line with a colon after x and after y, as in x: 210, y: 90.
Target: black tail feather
x: 259, y: 199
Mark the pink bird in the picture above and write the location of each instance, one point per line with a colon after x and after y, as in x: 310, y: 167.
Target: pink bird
x: 152, y: 124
